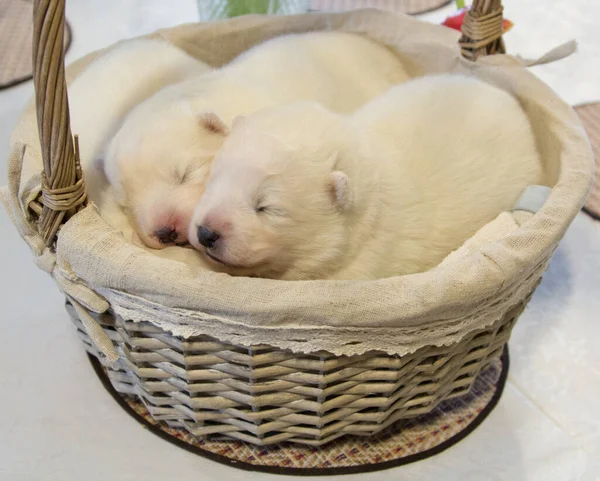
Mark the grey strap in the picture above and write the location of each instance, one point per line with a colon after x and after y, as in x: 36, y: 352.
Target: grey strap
x: 532, y: 199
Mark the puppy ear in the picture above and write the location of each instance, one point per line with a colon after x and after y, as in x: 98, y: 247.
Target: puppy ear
x: 98, y: 169
x: 113, y: 177
x: 119, y: 194
x: 339, y: 186
x: 211, y: 122
x: 236, y: 121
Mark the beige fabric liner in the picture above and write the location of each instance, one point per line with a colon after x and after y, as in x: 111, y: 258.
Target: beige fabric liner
x: 468, y: 291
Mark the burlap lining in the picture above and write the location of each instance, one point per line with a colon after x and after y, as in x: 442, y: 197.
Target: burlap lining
x: 339, y: 340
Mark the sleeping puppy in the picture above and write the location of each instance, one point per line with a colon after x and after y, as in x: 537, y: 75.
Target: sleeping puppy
x: 111, y: 86
x: 159, y: 159
x: 300, y: 192
x: 105, y: 92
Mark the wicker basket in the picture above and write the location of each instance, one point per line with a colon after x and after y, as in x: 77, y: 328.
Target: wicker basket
x: 261, y: 394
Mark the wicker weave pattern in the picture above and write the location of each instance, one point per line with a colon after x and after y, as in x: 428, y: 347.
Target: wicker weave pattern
x: 14, y: 33
x: 590, y: 116
x: 264, y: 396
x: 410, y: 7
x: 482, y: 30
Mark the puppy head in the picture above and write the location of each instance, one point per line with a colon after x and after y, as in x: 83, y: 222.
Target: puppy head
x: 157, y: 164
x: 275, y: 204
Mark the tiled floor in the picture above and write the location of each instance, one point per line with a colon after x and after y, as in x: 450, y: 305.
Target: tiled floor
x: 58, y: 423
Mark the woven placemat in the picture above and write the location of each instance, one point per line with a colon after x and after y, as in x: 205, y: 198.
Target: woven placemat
x: 401, y: 443
x: 590, y: 117
x: 409, y: 7
x: 16, y: 35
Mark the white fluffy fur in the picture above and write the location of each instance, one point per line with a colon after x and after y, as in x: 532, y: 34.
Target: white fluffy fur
x: 104, y: 93
x: 160, y: 158
x: 299, y: 192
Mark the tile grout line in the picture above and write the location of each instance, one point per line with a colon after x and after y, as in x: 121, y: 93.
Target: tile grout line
x: 552, y: 419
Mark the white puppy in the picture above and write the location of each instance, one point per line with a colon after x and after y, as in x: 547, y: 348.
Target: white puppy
x: 160, y: 158
x: 105, y: 92
x: 299, y: 192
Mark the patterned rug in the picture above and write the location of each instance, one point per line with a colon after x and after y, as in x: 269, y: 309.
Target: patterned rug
x: 590, y: 117
x: 16, y: 34
x: 409, y: 7
x: 401, y: 443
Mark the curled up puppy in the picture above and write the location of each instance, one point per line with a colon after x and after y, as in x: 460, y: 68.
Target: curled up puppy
x: 300, y: 192
x: 104, y: 93
x: 159, y: 159
x: 111, y: 86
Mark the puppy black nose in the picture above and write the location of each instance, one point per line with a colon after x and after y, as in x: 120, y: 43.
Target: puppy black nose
x: 207, y: 237
x: 166, y: 235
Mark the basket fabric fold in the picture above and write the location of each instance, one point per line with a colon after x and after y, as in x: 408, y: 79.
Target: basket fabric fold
x: 470, y: 290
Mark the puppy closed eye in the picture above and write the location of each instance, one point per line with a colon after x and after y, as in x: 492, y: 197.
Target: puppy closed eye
x: 183, y: 176
x: 186, y: 177
x: 262, y: 209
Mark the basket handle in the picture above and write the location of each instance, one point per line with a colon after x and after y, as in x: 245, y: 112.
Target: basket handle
x: 63, y: 188
x: 482, y: 30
